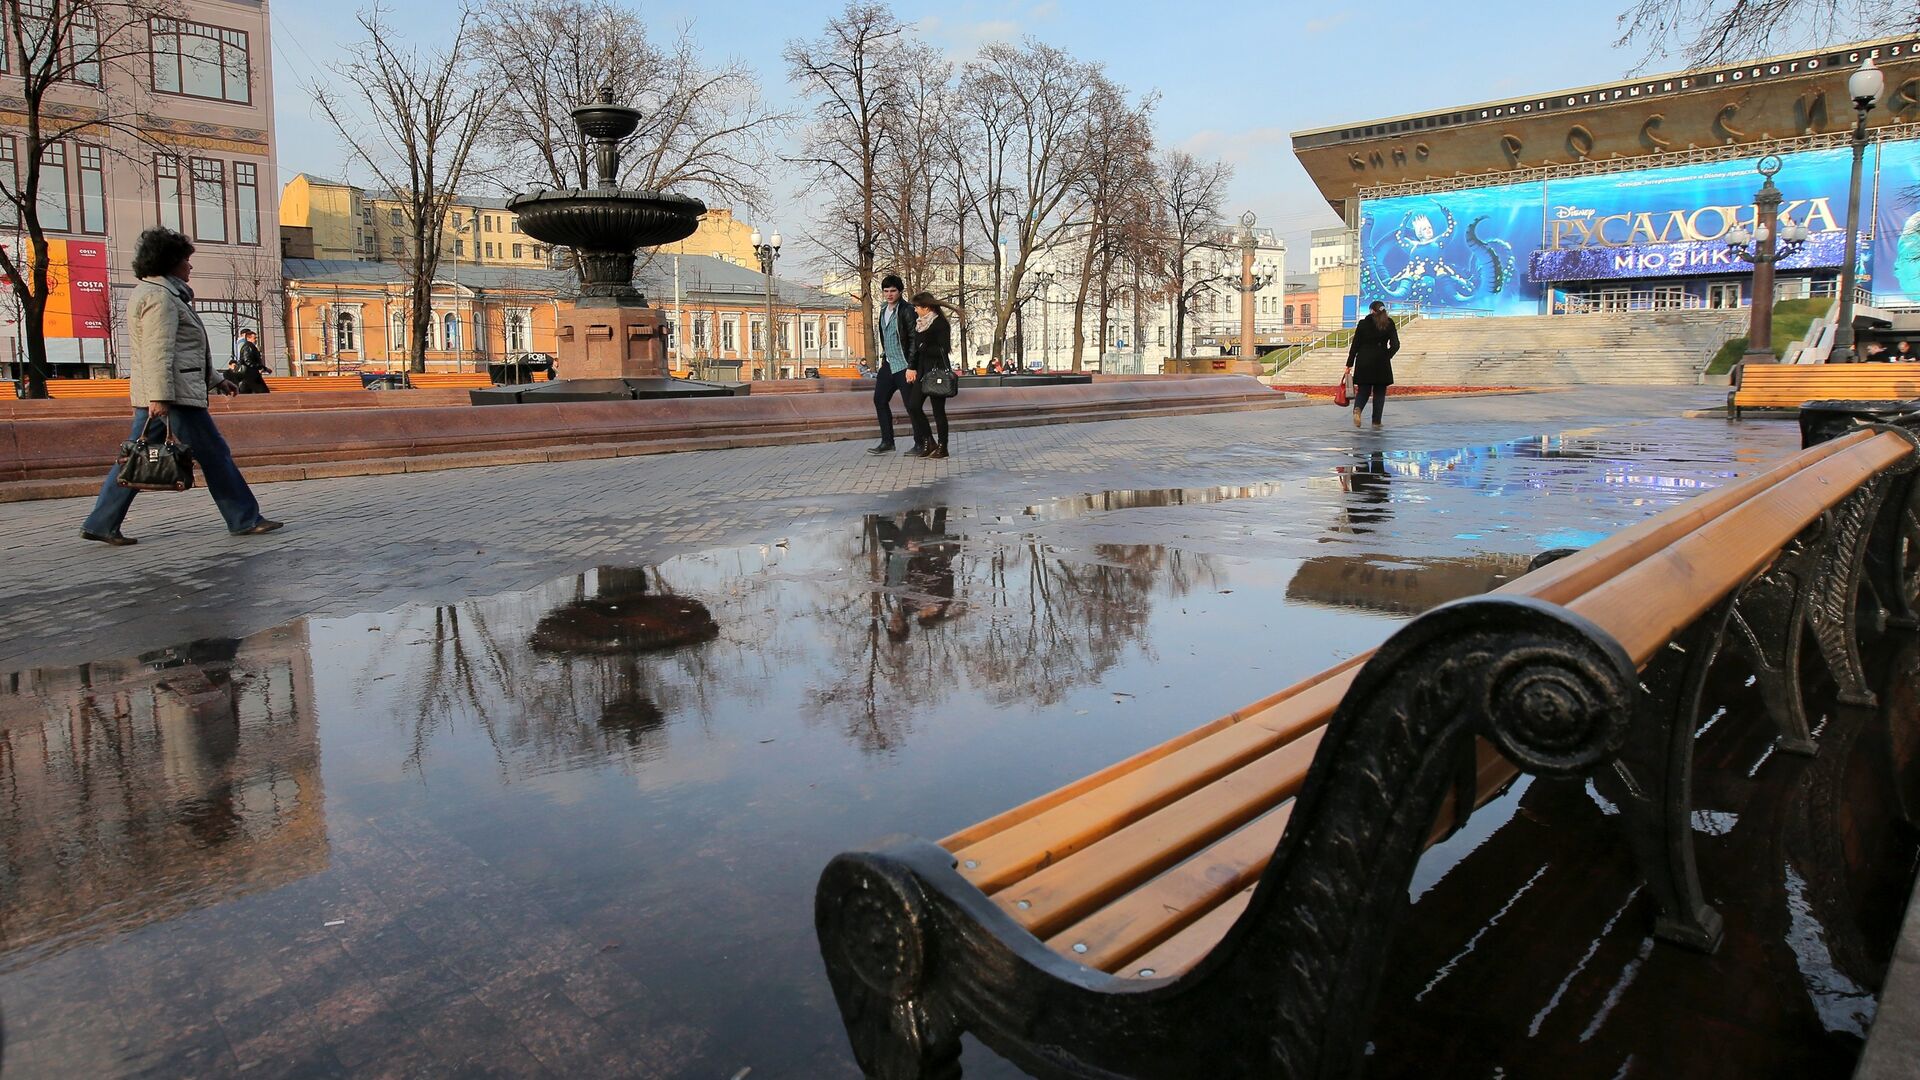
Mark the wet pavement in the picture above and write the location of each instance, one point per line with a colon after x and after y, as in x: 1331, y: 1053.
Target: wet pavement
x: 573, y: 828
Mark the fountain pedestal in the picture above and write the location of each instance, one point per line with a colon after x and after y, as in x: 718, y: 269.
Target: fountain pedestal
x: 610, y: 339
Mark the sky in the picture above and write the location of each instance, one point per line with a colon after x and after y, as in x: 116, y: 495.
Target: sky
x: 1235, y: 78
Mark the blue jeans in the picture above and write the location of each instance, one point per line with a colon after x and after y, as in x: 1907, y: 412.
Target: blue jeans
x: 886, y: 383
x: 1376, y: 391
x: 194, y: 427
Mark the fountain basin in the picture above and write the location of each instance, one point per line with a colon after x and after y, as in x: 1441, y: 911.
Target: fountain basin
x: 607, y: 219
x: 632, y: 389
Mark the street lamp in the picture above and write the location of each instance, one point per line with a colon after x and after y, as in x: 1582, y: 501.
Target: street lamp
x: 767, y: 252
x: 1045, y: 280
x: 1766, y: 245
x: 1250, y: 284
x: 1864, y: 87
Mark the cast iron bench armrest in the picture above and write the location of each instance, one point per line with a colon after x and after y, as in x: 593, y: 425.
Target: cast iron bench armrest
x: 1220, y: 904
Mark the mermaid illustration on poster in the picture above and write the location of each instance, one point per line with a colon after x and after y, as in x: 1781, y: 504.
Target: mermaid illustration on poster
x: 1428, y: 260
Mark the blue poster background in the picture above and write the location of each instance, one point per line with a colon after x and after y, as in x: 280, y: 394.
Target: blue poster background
x: 1896, y: 234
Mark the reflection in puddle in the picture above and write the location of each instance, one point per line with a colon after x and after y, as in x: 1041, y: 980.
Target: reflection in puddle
x: 135, y: 792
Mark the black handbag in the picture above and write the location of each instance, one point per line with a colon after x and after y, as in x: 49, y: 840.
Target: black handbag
x: 939, y: 382
x: 147, y: 464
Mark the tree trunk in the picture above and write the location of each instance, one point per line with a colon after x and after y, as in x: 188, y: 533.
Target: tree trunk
x: 1080, y: 305
x: 33, y: 325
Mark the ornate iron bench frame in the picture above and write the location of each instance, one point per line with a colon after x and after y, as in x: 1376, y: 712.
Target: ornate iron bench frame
x: 917, y: 955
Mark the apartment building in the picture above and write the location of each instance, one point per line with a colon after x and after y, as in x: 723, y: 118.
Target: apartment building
x: 174, y: 126
x: 352, y: 223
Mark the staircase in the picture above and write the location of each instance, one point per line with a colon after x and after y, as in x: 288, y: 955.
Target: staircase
x: 1642, y: 347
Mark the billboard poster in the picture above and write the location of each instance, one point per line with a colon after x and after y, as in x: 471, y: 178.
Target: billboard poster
x: 1673, y: 222
x: 77, y: 289
x: 1493, y: 250
x: 1896, y: 233
x: 1455, y: 251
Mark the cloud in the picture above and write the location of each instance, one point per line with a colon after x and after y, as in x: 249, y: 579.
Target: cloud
x: 1238, y: 147
x: 1321, y: 26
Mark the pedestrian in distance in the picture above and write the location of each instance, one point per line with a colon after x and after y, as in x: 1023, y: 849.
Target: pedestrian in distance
x: 1903, y: 353
x: 893, y: 329
x: 172, y: 376
x: 253, y: 369
x: 1370, y: 360
x: 932, y: 349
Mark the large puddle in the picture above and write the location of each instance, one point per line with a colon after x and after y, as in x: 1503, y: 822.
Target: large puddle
x: 577, y: 828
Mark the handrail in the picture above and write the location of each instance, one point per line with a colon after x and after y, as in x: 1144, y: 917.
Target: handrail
x: 1341, y: 336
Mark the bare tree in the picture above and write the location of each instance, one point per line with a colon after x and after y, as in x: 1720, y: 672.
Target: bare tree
x: 1118, y: 169
x: 412, y: 119
x: 68, y: 56
x: 1039, y: 143
x: 911, y: 185
x: 703, y: 129
x: 1707, y: 32
x: 852, y: 75
x: 1190, y: 194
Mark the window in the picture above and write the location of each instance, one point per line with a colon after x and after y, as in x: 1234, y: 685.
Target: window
x: 456, y: 221
x: 394, y: 218
x: 702, y: 337
x: 488, y: 222
x: 366, y: 215
x: 1306, y: 315
x: 1289, y: 315
x: 730, y: 334
x: 198, y: 60
x: 489, y: 249
x: 209, y: 200
x: 397, y: 246
x: 246, y: 201
x: 53, y: 189
x: 397, y: 330
x: 459, y: 249
x: 809, y: 336
x: 519, y: 336
x: 540, y: 252
x: 93, y: 190
x: 346, y: 330
x: 517, y: 249
x: 85, y: 46
x: 10, y: 169
x: 450, y: 332
x: 514, y: 224
x: 1162, y: 336
x: 757, y: 334
x: 166, y: 172
x: 835, y: 328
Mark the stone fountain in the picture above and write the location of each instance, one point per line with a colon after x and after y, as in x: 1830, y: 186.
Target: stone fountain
x: 613, y: 344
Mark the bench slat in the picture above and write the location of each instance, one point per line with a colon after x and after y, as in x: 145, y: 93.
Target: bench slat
x: 1001, y: 822
x: 1171, y: 902
x: 1184, y: 948
x: 1067, y: 890
x: 1014, y: 853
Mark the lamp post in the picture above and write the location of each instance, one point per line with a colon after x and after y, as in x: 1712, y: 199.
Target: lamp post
x: 1045, y: 280
x: 1864, y: 87
x: 1250, y: 284
x: 767, y: 252
x: 1766, y: 245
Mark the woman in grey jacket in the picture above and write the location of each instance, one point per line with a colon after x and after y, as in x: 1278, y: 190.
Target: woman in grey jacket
x: 173, y: 375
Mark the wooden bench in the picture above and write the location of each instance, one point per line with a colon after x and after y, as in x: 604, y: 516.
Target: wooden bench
x: 313, y: 384
x: 1789, y: 386
x: 87, y: 388
x: 457, y: 380
x: 1222, y: 904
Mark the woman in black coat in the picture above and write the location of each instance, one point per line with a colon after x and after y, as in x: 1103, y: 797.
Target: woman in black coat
x: 932, y: 341
x: 1370, y: 359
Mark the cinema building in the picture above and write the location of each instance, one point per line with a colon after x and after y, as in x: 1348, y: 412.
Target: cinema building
x: 1621, y: 197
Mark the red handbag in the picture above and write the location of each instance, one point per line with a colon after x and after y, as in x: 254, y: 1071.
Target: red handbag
x: 1340, y: 393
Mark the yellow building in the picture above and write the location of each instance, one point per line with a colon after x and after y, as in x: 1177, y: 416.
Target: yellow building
x: 351, y: 223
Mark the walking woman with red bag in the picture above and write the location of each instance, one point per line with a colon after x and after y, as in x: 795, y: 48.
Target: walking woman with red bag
x: 1370, y: 360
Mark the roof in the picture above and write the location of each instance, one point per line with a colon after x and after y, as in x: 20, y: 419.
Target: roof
x: 322, y: 181
x: 703, y: 278
x: 484, y: 202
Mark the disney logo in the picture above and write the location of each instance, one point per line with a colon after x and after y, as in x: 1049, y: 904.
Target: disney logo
x: 1564, y: 213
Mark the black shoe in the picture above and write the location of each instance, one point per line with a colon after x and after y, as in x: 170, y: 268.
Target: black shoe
x: 883, y: 448
x: 916, y: 450
x: 114, y: 538
x: 266, y: 525
x: 939, y: 451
